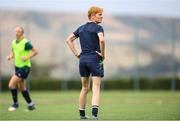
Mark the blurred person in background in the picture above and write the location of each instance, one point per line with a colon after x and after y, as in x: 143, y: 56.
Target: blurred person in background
x: 91, y: 36
x: 22, y: 52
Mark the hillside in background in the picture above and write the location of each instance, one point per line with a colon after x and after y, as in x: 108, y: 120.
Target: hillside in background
x: 133, y: 44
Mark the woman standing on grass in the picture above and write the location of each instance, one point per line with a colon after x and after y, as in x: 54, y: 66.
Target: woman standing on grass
x: 92, y: 43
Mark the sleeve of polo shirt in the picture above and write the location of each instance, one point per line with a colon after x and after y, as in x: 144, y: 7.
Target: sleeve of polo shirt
x: 76, y: 33
x: 28, y: 46
x: 100, y: 29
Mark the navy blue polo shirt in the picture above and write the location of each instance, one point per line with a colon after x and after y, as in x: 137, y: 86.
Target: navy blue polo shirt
x: 89, y: 41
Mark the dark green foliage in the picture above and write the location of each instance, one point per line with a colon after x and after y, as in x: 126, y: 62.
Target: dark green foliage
x: 109, y: 84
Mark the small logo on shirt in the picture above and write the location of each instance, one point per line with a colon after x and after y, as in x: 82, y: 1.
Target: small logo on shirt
x: 19, y: 74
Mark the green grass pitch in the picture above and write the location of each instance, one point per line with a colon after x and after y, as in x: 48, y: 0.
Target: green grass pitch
x: 115, y: 105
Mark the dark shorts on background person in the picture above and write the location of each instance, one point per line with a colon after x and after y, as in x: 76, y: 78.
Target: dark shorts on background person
x: 22, y: 72
x: 91, y: 68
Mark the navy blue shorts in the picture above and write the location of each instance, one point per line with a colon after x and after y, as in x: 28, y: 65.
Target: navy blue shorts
x: 22, y: 72
x: 91, y: 68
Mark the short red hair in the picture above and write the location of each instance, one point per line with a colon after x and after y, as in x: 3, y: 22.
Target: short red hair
x: 93, y: 10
